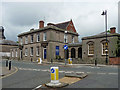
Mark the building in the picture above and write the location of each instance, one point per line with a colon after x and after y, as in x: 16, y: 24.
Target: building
x: 93, y: 47
x: 5, y: 45
x: 46, y: 42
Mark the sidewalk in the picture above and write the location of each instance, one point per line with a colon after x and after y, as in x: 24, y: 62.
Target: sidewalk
x: 6, y: 71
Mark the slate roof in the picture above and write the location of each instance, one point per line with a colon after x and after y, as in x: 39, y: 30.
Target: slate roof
x: 7, y: 42
x: 101, y: 35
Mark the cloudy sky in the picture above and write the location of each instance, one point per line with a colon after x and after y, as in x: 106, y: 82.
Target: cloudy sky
x: 18, y: 16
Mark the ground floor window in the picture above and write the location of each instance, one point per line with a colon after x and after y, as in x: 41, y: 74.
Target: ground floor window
x: 37, y: 51
x: 79, y: 52
x: 91, y: 49
x: 31, y: 51
x: 26, y: 51
x: 104, y: 48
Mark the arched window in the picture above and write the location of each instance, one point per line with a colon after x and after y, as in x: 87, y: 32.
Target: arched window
x: 90, y: 48
x: 73, y: 53
x: 79, y: 52
x: 105, y: 48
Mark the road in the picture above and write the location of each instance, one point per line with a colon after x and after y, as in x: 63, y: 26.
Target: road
x: 31, y: 75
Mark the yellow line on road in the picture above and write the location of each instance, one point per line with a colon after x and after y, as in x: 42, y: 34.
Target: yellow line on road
x: 16, y: 69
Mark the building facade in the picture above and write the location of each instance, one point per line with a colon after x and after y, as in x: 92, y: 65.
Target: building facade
x: 94, y: 47
x: 5, y: 45
x: 46, y: 42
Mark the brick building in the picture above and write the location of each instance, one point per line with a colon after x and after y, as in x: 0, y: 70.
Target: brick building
x: 46, y: 42
x: 93, y: 47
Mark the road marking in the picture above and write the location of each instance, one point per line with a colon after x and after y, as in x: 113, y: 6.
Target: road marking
x: 113, y: 73
x: 101, y: 73
x: 61, y: 71
x: 37, y: 87
x: 88, y: 72
x: 16, y: 69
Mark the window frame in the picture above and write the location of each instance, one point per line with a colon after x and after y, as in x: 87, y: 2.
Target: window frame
x: 32, y: 37
x: 105, y: 48
x: 26, y: 39
x: 89, y: 49
x: 38, y: 37
x: 44, y: 36
x: 37, y: 51
x: 31, y: 51
x: 26, y: 51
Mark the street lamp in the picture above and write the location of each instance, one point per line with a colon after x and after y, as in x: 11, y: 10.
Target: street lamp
x: 105, y: 13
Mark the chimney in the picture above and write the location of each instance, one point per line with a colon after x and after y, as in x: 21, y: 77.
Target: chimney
x: 41, y: 24
x: 113, y: 30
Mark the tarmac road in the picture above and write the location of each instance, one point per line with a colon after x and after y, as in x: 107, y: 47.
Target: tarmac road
x: 31, y: 75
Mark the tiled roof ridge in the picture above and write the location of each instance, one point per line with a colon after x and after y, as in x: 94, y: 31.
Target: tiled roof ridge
x: 62, y: 22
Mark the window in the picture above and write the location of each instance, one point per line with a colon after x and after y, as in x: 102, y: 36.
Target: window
x: 91, y: 49
x: 44, y: 36
x: 104, y: 47
x: 38, y: 37
x: 72, y: 39
x: 65, y: 38
x: 31, y: 51
x: 21, y: 41
x: 26, y: 40
x: 31, y: 38
x: 16, y: 53
x: 12, y: 54
x: 57, y: 50
x: 37, y: 51
x: 26, y: 51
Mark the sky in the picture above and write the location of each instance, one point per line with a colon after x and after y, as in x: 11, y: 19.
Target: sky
x: 19, y: 16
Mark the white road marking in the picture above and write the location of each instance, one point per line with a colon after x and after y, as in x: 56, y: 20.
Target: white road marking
x: 113, y: 73
x: 101, y: 73
x: 37, y: 87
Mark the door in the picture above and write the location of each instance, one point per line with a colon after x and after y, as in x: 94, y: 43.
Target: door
x: 20, y: 54
x: 44, y: 53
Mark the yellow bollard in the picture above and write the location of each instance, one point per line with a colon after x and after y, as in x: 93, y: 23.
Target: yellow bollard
x: 54, y: 75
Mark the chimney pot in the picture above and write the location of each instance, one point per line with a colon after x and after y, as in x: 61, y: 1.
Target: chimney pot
x: 41, y: 24
x: 113, y: 30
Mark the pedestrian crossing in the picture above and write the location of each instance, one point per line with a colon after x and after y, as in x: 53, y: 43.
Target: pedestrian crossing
x: 66, y: 72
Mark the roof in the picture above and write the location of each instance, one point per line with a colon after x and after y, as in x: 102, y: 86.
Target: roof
x: 53, y: 27
x: 8, y: 42
x: 101, y: 35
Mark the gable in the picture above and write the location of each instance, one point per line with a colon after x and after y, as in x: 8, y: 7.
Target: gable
x: 71, y: 27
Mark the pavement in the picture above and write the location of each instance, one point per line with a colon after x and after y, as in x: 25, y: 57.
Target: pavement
x: 6, y: 72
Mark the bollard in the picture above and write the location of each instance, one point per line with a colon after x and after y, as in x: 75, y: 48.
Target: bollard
x: 70, y: 61
x: 9, y: 65
x: 95, y: 62
x: 6, y: 63
x: 54, y: 75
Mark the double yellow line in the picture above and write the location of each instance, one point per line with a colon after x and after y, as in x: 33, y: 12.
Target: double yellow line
x: 16, y: 69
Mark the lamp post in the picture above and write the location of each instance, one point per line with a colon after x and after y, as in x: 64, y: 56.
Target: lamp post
x: 105, y: 13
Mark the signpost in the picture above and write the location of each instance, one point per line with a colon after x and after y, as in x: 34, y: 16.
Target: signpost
x: 65, y: 47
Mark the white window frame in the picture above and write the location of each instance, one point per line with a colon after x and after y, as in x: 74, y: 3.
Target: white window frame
x: 38, y: 37
x: 88, y: 50
x: 12, y: 53
x: 65, y: 38
x: 31, y: 53
x: 26, y: 51
x: 16, y: 53
x: 102, y: 49
x: 72, y: 39
x: 37, y: 51
x: 32, y: 38
x: 44, y: 36
x: 26, y: 39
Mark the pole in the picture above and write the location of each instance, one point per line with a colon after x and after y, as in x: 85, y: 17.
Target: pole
x: 106, y: 35
x: 65, y: 56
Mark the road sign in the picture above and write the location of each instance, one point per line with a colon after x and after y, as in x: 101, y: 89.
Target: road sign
x: 52, y: 70
x: 65, y: 47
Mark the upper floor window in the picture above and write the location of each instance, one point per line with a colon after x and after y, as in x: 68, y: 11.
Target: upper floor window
x: 37, y: 51
x: 12, y: 53
x: 26, y: 51
x: 65, y: 38
x: 31, y: 38
x: 31, y: 51
x: 72, y: 39
x: 91, y: 49
x: 104, y: 48
x: 21, y: 41
x: 44, y: 36
x: 57, y: 50
x: 26, y: 40
x: 38, y: 37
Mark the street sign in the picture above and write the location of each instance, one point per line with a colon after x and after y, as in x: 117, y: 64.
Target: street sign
x: 65, y: 47
x: 52, y: 70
